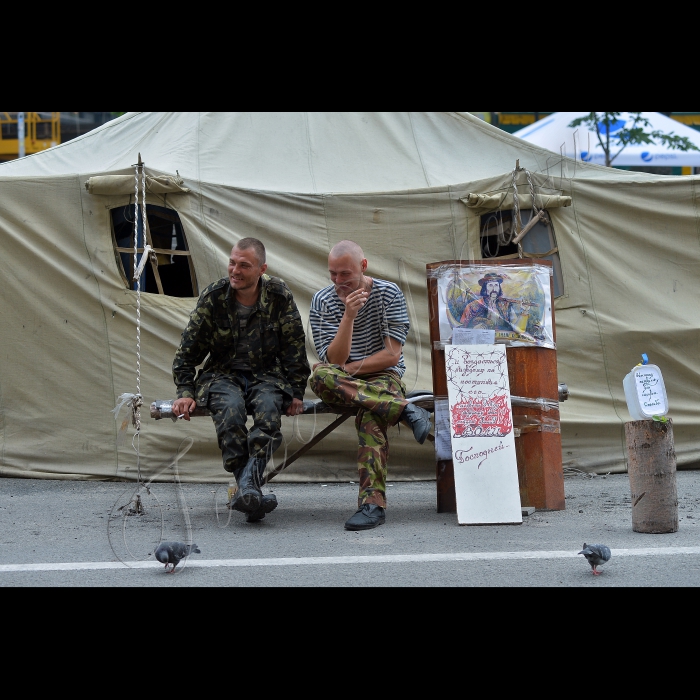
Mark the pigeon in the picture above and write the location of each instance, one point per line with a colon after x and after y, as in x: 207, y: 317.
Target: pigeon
x: 597, y: 555
x: 172, y: 552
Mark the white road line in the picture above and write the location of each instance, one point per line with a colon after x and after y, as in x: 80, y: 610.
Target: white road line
x: 334, y: 561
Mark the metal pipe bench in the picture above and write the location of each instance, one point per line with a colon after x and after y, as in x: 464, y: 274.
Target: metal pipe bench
x: 164, y: 409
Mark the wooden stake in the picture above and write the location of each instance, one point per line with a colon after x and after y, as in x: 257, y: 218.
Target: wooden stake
x: 652, y: 474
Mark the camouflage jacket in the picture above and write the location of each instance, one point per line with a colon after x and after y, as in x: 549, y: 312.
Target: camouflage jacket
x: 276, y: 334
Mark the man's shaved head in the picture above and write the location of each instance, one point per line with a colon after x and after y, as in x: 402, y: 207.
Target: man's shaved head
x: 343, y: 248
x: 347, y: 265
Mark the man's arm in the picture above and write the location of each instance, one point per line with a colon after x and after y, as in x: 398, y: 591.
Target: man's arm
x: 295, y: 364
x: 192, y: 351
x: 339, y: 349
x: 388, y: 357
x: 394, y: 330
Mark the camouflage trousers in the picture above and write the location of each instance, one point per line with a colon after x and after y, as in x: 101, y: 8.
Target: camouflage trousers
x: 381, y: 398
x: 230, y: 400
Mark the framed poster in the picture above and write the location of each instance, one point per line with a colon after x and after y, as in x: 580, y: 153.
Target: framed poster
x: 481, y: 431
x: 514, y: 301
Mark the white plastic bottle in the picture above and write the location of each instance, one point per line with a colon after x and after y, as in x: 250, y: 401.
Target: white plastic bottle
x: 645, y: 392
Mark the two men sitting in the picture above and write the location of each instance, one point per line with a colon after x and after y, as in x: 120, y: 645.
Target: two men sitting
x: 249, y: 330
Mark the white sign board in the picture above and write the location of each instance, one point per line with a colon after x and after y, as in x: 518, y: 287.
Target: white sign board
x: 481, y: 429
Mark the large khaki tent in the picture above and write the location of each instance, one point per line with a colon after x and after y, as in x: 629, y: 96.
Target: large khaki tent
x: 397, y: 183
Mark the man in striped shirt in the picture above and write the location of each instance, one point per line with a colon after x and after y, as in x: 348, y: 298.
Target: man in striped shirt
x: 359, y: 325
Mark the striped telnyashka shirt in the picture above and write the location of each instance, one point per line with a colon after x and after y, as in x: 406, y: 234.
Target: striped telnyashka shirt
x: 384, y: 314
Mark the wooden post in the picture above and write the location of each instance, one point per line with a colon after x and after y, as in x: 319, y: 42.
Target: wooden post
x: 652, y: 474
x: 533, y: 372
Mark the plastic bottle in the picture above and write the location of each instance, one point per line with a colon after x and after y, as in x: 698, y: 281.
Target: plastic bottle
x: 645, y: 392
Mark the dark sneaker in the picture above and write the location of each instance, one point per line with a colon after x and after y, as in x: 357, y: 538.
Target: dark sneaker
x: 419, y: 421
x: 269, y: 503
x: 367, y: 517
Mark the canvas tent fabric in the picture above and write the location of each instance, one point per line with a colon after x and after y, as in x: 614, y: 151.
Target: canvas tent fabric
x: 554, y: 133
x: 397, y: 184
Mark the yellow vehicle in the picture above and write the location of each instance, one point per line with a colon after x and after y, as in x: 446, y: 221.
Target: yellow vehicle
x: 41, y: 131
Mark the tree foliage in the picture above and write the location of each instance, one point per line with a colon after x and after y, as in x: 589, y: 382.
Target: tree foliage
x: 634, y: 134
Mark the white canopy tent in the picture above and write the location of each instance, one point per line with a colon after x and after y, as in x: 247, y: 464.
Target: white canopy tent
x: 410, y: 187
x: 555, y: 134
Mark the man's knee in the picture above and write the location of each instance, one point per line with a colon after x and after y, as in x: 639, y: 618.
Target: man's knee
x: 327, y: 378
x: 228, y: 417
x: 322, y: 371
x: 266, y: 408
x: 226, y: 396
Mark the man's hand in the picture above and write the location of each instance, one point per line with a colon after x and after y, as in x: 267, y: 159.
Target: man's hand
x: 354, y: 302
x: 339, y: 349
x: 295, y: 408
x: 183, y: 407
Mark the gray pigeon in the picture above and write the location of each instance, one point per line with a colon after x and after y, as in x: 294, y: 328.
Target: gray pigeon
x: 597, y: 555
x: 172, y: 552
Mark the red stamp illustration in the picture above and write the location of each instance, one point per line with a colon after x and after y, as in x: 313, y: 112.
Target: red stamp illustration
x: 482, y: 417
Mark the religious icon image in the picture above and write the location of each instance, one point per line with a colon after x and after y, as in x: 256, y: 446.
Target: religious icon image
x: 513, y: 301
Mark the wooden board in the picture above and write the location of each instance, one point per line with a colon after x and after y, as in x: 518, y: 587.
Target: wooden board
x: 481, y: 428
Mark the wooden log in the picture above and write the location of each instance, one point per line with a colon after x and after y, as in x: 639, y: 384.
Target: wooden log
x: 652, y: 475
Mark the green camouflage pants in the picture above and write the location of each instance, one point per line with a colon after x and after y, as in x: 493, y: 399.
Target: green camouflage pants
x: 381, y: 400
x: 230, y: 400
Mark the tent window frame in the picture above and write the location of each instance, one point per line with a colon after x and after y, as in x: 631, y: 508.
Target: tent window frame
x: 498, y: 224
x: 122, y: 252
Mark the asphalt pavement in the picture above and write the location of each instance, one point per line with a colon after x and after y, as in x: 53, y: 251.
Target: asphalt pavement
x: 73, y: 533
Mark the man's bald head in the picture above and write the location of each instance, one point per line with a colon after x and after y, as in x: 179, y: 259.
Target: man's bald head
x: 349, y: 248
x: 346, y: 265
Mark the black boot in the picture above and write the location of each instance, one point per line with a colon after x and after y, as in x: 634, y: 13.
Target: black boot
x: 419, y: 421
x: 248, y: 496
x: 269, y: 503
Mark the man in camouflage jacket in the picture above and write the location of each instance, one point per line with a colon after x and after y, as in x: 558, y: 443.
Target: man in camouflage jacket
x: 249, y: 330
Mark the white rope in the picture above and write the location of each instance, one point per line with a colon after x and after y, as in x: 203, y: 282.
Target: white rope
x: 135, y: 401
x: 137, y: 279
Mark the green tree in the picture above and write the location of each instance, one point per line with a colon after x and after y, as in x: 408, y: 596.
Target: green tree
x: 634, y: 134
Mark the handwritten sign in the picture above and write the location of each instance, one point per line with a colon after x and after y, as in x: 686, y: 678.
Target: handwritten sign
x: 481, y: 431
x: 650, y: 390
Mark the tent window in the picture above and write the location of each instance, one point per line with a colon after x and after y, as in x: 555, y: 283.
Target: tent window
x: 539, y: 242
x: 172, y: 271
